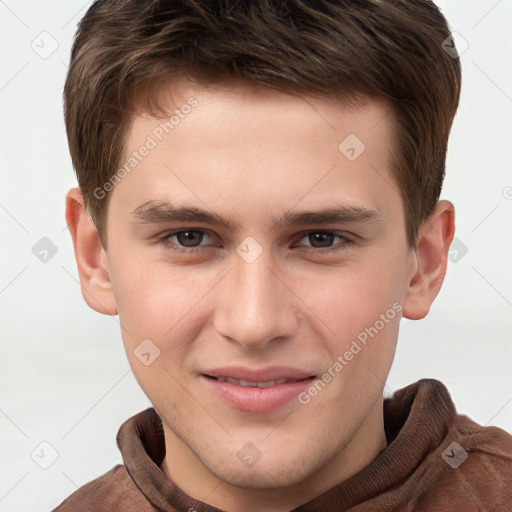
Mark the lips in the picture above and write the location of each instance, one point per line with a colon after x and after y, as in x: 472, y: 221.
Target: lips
x: 256, y: 390
x: 270, y: 373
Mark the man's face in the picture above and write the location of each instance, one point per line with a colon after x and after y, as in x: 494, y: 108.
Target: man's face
x: 311, y: 266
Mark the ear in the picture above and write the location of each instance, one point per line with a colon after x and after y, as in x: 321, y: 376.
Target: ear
x: 91, y: 258
x: 429, y: 261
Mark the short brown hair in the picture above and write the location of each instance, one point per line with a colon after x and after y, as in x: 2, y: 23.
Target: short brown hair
x: 337, y: 48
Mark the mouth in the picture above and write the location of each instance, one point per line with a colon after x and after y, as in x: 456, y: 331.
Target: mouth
x: 257, y: 391
x: 249, y: 384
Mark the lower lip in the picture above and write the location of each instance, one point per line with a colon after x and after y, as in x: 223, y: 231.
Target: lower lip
x: 254, y: 399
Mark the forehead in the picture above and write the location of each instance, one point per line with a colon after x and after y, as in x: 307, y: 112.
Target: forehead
x: 235, y: 104
x: 245, y: 148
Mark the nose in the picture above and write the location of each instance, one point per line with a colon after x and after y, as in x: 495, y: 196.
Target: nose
x: 256, y: 307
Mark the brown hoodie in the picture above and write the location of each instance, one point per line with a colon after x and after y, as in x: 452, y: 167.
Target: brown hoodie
x: 435, y: 461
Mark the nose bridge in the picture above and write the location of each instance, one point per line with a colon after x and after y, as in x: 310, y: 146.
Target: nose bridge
x: 257, y: 308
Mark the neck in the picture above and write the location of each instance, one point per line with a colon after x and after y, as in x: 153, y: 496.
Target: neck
x: 186, y: 470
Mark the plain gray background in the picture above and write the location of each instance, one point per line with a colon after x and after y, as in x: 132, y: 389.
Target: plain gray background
x: 65, y: 381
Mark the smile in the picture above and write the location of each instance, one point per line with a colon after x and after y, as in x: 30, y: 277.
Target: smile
x: 256, y: 391
x: 249, y: 384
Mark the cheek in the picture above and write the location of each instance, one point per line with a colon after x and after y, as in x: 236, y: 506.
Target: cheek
x: 159, y: 324
x: 345, y: 300
x: 155, y: 300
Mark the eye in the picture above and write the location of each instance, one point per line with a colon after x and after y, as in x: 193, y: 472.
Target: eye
x: 185, y: 240
x: 325, y: 240
x: 195, y: 240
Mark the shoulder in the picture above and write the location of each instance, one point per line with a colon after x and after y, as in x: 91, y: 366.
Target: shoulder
x: 112, y: 492
x: 474, y: 465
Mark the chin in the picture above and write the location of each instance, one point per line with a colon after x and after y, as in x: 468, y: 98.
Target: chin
x: 266, y: 478
x: 268, y: 473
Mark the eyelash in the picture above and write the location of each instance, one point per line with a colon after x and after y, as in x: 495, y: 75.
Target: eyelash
x: 165, y: 241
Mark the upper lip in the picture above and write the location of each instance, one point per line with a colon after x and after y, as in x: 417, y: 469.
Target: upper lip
x: 270, y: 373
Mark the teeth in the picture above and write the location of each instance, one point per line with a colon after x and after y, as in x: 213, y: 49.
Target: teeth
x: 249, y: 384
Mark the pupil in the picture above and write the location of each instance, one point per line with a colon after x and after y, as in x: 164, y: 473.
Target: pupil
x: 325, y: 239
x: 185, y: 237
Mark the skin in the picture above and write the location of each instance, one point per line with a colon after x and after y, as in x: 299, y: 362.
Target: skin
x: 252, y: 155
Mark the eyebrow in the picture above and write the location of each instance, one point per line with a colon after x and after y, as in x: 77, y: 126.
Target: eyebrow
x: 343, y: 214
x: 161, y: 212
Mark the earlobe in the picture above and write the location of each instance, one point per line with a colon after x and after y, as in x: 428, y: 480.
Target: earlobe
x: 430, y: 260
x: 91, y: 258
